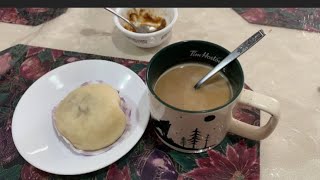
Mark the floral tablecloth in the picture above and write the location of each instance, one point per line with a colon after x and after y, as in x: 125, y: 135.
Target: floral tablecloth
x: 21, y: 65
x: 307, y: 19
x: 29, y: 16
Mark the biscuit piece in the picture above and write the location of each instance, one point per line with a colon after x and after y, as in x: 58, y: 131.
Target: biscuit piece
x: 90, y: 117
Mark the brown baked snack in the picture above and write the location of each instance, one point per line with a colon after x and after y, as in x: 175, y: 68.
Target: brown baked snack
x: 90, y: 117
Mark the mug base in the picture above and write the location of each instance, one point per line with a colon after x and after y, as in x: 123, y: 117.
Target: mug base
x: 186, y: 150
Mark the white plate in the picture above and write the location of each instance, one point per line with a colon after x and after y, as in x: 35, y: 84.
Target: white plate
x: 32, y: 128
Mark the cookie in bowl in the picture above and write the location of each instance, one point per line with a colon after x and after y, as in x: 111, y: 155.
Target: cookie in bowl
x: 142, y: 17
x: 162, y: 19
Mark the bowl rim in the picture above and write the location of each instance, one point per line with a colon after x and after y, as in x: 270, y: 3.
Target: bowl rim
x: 133, y: 34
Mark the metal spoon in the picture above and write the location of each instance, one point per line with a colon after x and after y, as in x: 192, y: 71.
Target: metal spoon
x: 142, y: 28
x: 232, y: 56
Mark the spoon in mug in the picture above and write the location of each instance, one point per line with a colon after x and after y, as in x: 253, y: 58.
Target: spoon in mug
x: 142, y: 28
x: 232, y: 56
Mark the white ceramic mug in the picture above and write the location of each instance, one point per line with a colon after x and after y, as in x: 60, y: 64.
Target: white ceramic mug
x: 197, y: 131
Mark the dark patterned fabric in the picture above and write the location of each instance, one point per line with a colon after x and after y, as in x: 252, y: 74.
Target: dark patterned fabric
x: 307, y: 19
x: 29, y: 16
x: 21, y: 65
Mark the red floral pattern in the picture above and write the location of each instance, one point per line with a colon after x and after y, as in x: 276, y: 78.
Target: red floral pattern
x: 32, y: 68
x: 307, y: 19
x: 114, y: 173
x: 34, y: 51
x: 246, y: 114
x: 290, y: 10
x: 10, y: 15
x: 239, y: 162
x: 149, y: 159
x: 143, y: 73
x: 8, y: 151
x: 56, y: 54
x: 5, y: 63
x: 28, y: 172
x: 72, y: 59
x: 255, y: 15
x: 29, y: 16
x: 37, y: 10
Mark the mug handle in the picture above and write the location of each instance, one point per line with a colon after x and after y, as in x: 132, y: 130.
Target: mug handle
x: 264, y: 103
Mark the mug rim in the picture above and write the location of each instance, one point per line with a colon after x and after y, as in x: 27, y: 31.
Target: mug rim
x: 234, y: 97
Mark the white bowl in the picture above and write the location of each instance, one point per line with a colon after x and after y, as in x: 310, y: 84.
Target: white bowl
x: 148, y: 40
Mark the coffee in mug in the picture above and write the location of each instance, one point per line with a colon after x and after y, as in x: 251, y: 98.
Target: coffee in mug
x: 175, y: 87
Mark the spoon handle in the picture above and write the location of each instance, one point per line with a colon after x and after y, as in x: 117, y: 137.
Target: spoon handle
x: 233, y: 55
x: 119, y: 16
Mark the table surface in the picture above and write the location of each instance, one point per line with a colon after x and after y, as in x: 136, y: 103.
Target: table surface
x: 284, y: 65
